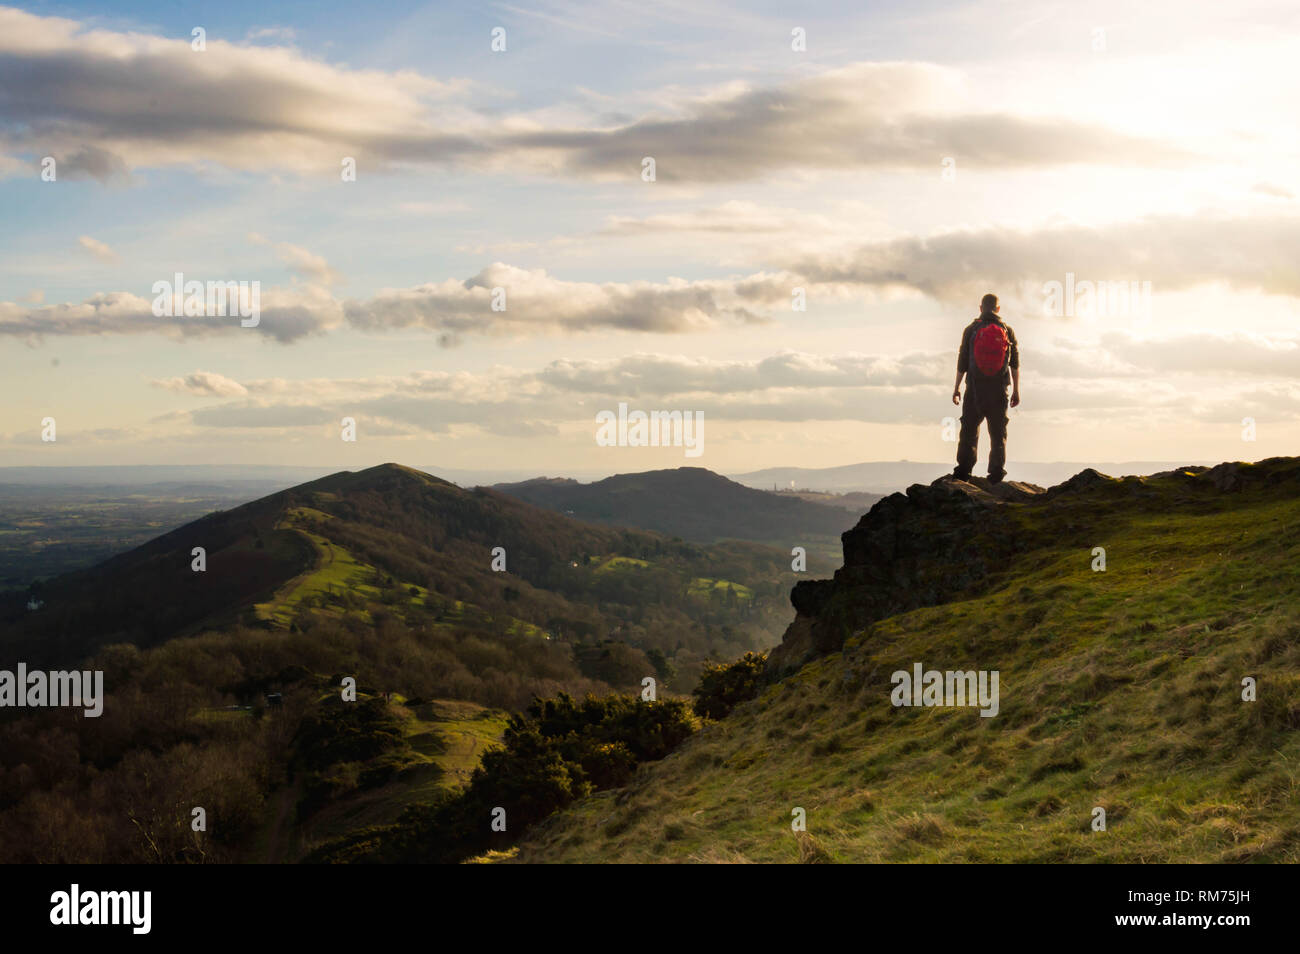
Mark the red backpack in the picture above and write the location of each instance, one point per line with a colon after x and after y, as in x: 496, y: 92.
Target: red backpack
x: 989, y: 348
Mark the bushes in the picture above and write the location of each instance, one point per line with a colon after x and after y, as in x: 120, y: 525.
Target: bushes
x: 345, y: 747
x: 723, y: 687
x: 355, y: 732
x: 563, y: 750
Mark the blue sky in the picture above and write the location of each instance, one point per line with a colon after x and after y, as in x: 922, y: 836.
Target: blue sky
x: 1155, y: 145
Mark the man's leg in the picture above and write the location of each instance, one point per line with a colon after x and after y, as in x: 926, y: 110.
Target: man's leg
x: 968, y: 441
x: 996, y: 404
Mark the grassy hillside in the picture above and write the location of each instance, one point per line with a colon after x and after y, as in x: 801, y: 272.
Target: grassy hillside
x: 1119, y: 689
x: 392, y: 545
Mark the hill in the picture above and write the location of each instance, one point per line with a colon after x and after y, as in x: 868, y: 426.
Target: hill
x: 854, y: 501
x: 1120, y: 688
x: 691, y: 503
x: 394, y: 544
x: 225, y: 687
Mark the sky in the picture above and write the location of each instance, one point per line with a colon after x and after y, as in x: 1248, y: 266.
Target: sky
x: 502, y: 267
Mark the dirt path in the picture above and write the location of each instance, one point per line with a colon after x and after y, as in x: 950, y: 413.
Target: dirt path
x: 285, y: 799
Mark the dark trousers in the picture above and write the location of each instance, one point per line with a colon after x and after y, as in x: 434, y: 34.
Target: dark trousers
x: 984, y: 401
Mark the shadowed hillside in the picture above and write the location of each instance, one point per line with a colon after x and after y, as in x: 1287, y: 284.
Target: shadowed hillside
x: 688, y: 502
x: 400, y: 543
x: 225, y: 687
x: 1120, y: 688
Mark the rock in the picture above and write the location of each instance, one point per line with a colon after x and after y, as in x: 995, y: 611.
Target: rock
x: 1086, y: 479
x: 946, y: 540
x: 1226, y: 477
x: 810, y: 596
x: 1189, y: 472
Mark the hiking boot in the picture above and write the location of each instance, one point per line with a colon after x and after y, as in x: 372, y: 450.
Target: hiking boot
x: 997, y: 478
x: 960, y: 474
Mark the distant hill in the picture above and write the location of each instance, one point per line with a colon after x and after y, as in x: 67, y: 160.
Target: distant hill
x: 688, y: 502
x: 1120, y: 689
x: 855, y: 502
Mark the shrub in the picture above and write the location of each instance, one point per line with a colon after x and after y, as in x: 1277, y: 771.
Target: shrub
x: 723, y: 687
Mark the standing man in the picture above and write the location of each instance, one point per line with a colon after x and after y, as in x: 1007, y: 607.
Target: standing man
x: 990, y: 359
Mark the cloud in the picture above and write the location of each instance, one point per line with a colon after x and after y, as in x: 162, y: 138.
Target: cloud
x: 1239, y: 353
x: 665, y: 375
x: 254, y: 415
x: 868, y: 115
x: 301, y: 261
x: 105, y: 102
x: 1068, y: 381
x: 535, y: 302
x: 98, y: 249
x: 89, y: 162
x: 286, y: 315
x: 1171, y: 252
x: 203, y: 384
x: 1276, y: 191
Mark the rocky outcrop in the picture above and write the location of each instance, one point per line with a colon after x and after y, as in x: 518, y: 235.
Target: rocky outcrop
x: 940, y: 541
x: 914, y: 549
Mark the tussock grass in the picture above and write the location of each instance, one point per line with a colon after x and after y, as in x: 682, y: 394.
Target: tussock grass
x: 1119, y: 690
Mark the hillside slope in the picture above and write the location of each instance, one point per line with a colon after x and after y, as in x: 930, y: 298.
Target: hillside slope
x: 1120, y: 689
x: 392, y: 541
x: 226, y: 688
x: 688, y: 502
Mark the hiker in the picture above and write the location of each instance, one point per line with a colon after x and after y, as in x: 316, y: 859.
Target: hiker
x: 990, y: 359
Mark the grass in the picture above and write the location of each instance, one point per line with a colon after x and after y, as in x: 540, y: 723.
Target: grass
x: 1119, y: 689
x: 447, y: 738
x: 336, y: 571
x: 703, y: 587
x: 620, y: 563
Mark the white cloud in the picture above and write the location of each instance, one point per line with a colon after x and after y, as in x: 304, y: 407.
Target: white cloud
x: 1171, y: 252
x: 301, y: 261
x: 203, y: 384
x: 74, y: 92
x: 99, y: 250
x: 535, y: 302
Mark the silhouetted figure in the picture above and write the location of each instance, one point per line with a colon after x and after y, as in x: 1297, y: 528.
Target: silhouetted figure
x: 990, y: 359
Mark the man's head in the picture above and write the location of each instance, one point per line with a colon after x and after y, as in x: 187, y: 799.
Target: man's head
x: 989, y: 304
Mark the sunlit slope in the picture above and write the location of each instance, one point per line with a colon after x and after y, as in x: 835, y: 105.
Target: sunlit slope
x: 1119, y: 689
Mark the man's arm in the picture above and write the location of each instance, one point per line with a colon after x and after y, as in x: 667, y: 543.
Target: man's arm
x: 963, y: 355
x: 1014, y: 361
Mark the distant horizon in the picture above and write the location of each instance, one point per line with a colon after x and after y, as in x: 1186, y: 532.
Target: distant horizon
x: 355, y: 466
x: 833, y: 479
